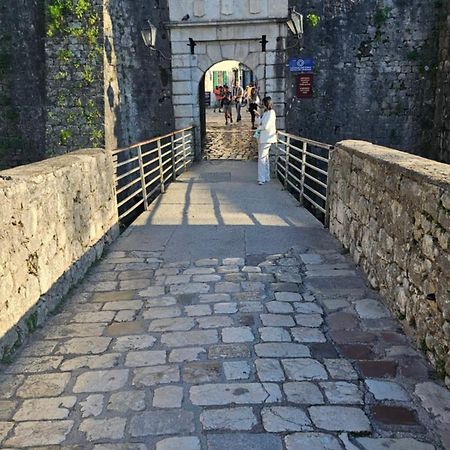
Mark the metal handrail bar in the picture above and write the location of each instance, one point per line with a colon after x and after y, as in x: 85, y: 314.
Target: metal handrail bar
x: 128, y: 198
x: 136, y: 169
x: 294, y: 186
x: 149, y: 141
x: 128, y: 211
x: 324, y: 172
x: 308, y: 141
x: 161, y: 158
x: 310, y: 200
x: 320, y: 158
x: 152, y: 181
x: 152, y: 161
x: 315, y: 192
x: 307, y: 175
x: 128, y: 161
x: 312, y: 155
x: 123, y: 188
x: 295, y: 160
x: 149, y: 152
x: 295, y: 178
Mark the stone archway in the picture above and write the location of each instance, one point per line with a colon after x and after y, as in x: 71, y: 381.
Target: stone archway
x: 226, y: 29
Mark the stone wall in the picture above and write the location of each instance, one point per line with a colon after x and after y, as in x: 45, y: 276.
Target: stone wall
x: 22, y: 73
x: 374, y: 74
x: 391, y: 211
x: 74, y: 75
x: 442, y: 114
x: 56, y: 217
x: 138, y: 100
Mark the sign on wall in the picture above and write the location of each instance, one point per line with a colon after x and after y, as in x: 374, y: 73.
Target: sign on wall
x: 301, y: 65
x: 305, y: 82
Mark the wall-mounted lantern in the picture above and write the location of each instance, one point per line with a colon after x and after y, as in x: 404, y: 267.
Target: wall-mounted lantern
x: 295, y: 23
x: 149, y: 35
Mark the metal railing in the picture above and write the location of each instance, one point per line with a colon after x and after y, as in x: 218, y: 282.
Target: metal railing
x: 143, y: 170
x: 302, y: 166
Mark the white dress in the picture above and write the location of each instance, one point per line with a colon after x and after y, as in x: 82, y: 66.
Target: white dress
x: 267, y: 136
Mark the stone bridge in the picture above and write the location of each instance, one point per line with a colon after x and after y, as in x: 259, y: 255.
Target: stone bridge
x: 226, y: 316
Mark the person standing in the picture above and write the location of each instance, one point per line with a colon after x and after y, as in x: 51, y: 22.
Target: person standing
x: 227, y: 103
x: 218, y: 98
x: 267, y: 135
x: 238, y: 94
x: 253, y: 105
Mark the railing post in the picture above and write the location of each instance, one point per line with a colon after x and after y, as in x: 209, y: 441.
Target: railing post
x: 161, y: 172
x: 302, y: 184
x: 141, y: 171
x: 286, y: 161
x: 183, y: 140
x: 174, y: 166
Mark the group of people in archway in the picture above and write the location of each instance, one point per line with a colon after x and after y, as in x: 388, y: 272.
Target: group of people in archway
x: 266, y: 132
x: 237, y: 96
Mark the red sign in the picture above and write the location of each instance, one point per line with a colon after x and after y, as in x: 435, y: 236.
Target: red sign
x: 305, y: 85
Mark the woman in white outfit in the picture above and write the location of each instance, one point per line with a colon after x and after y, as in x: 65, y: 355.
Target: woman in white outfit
x: 267, y: 135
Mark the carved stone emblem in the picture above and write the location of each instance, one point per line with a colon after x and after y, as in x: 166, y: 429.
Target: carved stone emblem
x: 199, y: 8
x: 254, y: 6
x: 226, y: 7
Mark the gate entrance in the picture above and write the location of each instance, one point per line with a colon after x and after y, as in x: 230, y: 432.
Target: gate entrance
x: 204, y: 33
x: 223, y: 138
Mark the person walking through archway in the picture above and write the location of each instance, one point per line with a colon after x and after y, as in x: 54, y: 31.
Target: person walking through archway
x: 218, y: 98
x: 253, y: 104
x: 267, y: 135
x: 238, y: 94
x: 227, y: 103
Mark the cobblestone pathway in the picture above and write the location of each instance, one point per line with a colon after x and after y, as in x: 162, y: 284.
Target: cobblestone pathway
x: 233, y: 141
x: 276, y: 351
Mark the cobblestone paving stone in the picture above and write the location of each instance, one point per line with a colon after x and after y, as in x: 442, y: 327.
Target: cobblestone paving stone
x: 232, y: 141
x: 188, y: 360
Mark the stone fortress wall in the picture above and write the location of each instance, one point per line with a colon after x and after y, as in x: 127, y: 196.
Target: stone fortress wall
x: 391, y: 211
x: 375, y: 73
x: 441, y: 139
x: 376, y: 59
x: 56, y: 217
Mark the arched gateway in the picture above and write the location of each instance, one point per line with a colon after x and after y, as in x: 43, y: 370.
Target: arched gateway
x: 205, y: 32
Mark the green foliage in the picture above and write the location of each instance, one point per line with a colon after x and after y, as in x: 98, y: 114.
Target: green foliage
x: 32, y: 322
x: 88, y: 75
x: 61, y: 75
x: 61, y: 100
x: 382, y: 16
x: 313, y: 19
x: 57, y: 10
x: 64, y: 136
x: 65, y: 55
x: 61, y: 15
x: 97, y: 138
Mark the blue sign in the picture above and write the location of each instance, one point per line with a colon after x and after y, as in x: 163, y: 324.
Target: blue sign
x: 301, y: 65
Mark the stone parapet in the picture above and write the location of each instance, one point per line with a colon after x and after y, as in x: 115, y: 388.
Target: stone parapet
x: 391, y: 210
x: 56, y: 217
